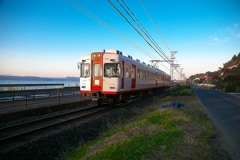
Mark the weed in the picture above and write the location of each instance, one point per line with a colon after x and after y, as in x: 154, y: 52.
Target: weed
x: 156, y: 134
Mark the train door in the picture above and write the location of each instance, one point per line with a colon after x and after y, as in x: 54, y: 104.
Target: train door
x: 122, y: 86
x: 133, y: 76
x: 156, y: 79
x: 96, y: 83
x: 163, y: 79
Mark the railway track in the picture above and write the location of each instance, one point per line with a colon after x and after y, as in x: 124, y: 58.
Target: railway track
x: 15, y: 132
x: 47, y: 140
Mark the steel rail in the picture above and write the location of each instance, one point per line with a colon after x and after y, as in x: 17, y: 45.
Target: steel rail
x: 61, y: 121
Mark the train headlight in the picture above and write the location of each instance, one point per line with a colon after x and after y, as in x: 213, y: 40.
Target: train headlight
x: 96, y: 82
x: 94, y: 56
x: 99, y: 55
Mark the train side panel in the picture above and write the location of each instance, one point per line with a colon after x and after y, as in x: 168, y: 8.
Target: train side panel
x: 113, y: 77
x: 85, y: 74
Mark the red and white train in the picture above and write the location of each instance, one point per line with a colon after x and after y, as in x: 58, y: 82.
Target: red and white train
x: 110, y: 77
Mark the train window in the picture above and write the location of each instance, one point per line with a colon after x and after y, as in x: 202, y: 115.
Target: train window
x: 97, y: 70
x: 133, y: 71
x: 145, y: 75
x: 85, y: 70
x: 141, y: 74
x: 128, y: 71
x: 112, y: 70
x: 138, y: 73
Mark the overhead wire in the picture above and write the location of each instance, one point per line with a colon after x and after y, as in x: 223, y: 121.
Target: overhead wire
x: 135, y: 28
x: 139, y: 24
x: 97, y: 19
x: 149, y: 16
x: 171, y: 38
x: 154, y: 24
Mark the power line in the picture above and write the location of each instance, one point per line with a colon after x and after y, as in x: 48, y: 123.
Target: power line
x: 163, y: 27
x: 134, y: 27
x: 154, y: 24
x: 139, y: 24
x: 171, y: 38
x: 94, y: 17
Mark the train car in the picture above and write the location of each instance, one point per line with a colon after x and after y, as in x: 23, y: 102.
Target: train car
x: 85, y: 74
x: 117, y: 77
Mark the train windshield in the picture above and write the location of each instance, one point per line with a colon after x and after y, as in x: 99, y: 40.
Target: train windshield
x: 85, y: 70
x: 97, y: 70
x: 112, y: 70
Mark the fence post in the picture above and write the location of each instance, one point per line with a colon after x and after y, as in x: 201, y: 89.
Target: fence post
x: 26, y: 99
x: 58, y: 96
x: 12, y: 95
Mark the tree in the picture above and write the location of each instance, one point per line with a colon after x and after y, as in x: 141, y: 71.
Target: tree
x: 232, y: 79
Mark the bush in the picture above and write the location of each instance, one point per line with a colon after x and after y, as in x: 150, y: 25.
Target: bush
x: 219, y: 84
x: 182, y: 90
x: 230, y: 88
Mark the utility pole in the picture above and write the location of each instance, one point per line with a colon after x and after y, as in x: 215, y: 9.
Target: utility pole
x: 154, y: 63
x: 172, y: 65
x: 182, y: 74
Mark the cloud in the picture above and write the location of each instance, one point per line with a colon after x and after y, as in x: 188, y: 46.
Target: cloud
x: 211, y: 44
x: 238, y: 35
x: 233, y: 31
x: 228, y: 29
x: 226, y: 34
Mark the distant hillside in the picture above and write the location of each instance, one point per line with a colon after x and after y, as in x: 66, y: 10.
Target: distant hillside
x: 233, y: 71
x: 232, y: 61
x: 9, y: 77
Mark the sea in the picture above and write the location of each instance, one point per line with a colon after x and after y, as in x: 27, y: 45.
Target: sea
x: 73, y: 82
x: 67, y: 83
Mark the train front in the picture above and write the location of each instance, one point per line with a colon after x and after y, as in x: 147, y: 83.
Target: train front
x: 85, y: 74
x: 106, y: 78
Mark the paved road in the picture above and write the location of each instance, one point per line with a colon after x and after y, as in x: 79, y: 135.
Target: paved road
x: 224, y: 110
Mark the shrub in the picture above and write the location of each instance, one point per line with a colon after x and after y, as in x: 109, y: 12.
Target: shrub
x: 182, y: 90
x: 230, y: 88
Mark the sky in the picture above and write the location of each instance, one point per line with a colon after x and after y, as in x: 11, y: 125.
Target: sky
x: 46, y: 38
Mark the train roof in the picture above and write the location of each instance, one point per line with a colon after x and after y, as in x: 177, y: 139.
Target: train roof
x: 133, y: 59
x: 127, y: 56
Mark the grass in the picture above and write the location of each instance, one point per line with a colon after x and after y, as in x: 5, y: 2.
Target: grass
x: 182, y: 90
x: 156, y: 134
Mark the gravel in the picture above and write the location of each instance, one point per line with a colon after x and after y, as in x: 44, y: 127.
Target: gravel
x: 52, y: 144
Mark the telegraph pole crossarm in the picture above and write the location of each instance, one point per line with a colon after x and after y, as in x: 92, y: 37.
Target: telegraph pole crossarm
x: 173, y: 66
